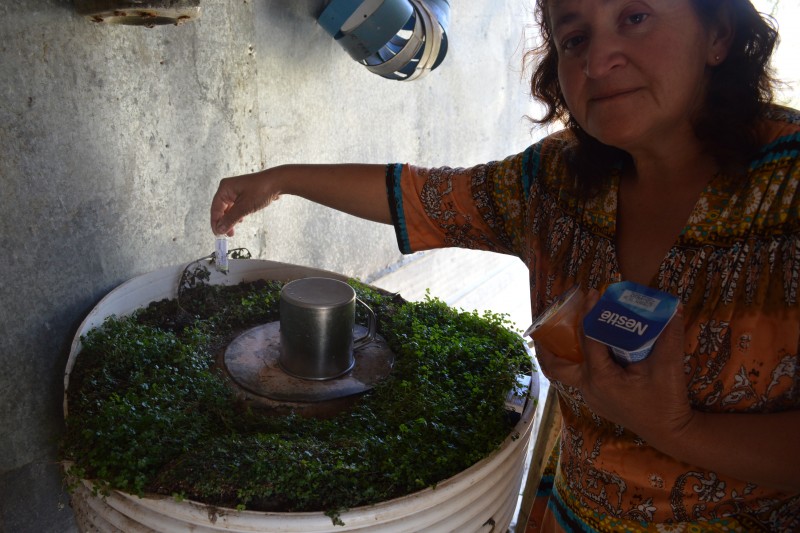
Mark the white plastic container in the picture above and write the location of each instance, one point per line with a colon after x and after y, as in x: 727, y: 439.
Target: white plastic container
x: 481, y: 498
x: 628, y: 318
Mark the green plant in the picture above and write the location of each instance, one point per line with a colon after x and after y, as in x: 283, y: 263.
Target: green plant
x: 150, y: 413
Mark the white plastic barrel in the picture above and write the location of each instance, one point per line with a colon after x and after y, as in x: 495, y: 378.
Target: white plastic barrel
x: 481, y: 498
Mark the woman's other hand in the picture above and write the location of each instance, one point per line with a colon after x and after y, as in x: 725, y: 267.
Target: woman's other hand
x: 648, y: 397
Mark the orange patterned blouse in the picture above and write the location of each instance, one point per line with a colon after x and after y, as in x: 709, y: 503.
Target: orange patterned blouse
x: 736, y: 268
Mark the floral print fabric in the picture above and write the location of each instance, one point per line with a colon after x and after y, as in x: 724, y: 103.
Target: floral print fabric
x: 735, y: 267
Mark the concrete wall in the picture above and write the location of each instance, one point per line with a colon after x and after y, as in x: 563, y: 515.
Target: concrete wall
x: 112, y: 141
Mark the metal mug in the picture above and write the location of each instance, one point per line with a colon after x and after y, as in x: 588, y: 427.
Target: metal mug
x: 317, y: 317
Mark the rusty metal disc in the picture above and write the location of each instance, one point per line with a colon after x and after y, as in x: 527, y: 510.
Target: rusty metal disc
x: 251, y: 361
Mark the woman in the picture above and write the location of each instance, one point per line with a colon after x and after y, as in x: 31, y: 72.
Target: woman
x: 673, y: 172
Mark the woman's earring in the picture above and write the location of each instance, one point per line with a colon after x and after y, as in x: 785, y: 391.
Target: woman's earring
x: 716, y: 59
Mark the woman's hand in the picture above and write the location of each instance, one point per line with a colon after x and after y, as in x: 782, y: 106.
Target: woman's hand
x: 238, y: 197
x: 648, y: 397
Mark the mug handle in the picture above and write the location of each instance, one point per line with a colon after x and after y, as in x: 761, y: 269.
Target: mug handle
x: 372, y: 326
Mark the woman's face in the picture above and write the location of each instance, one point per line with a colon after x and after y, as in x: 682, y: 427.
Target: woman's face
x: 632, y: 71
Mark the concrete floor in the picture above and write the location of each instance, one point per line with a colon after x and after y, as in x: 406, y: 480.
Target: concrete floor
x: 466, y: 279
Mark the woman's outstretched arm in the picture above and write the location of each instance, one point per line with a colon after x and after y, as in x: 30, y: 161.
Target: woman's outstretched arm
x: 356, y: 189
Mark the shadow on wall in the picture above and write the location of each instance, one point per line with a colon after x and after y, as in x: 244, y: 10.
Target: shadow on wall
x: 113, y: 140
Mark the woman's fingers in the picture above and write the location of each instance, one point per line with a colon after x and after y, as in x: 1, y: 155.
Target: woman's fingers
x: 557, y: 368
x: 236, y: 198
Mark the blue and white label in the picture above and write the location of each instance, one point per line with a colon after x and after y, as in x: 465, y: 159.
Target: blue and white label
x: 629, y: 324
x: 629, y: 318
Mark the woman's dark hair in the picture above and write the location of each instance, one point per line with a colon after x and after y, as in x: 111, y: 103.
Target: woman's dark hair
x: 739, y: 90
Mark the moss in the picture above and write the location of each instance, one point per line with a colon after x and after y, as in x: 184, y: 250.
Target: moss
x: 150, y: 414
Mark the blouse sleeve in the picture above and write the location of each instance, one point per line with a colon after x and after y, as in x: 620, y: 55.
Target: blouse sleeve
x: 481, y: 207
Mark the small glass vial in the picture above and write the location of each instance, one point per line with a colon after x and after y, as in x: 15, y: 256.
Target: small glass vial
x: 221, y: 253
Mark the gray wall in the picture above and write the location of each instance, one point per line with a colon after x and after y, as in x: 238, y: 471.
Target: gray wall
x: 112, y: 141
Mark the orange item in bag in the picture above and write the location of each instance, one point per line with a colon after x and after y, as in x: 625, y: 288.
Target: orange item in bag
x: 556, y: 328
